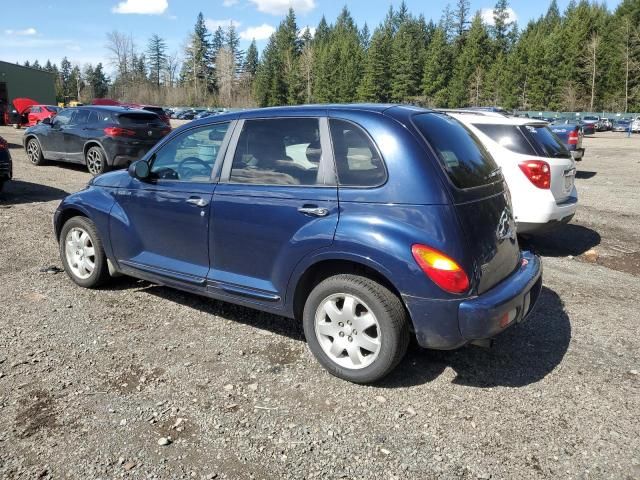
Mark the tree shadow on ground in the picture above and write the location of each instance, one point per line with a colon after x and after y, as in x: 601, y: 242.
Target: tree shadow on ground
x: 17, y: 192
x: 522, y: 355
x: 565, y: 240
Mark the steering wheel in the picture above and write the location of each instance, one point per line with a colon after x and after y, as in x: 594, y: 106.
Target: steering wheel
x: 184, y: 172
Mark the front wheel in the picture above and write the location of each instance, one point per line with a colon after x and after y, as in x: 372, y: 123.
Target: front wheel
x: 82, y: 253
x: 356, y: 328
x: 96, y: 161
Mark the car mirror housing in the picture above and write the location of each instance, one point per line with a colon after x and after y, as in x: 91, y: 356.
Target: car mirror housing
x: 140, y: 170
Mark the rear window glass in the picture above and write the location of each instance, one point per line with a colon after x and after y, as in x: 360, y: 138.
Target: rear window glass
x: 133, y: 119
x: 357, y: 159
x: 464, y: 158
x: 507, y: 136
x: 546, y: 141
x: 157, y: 110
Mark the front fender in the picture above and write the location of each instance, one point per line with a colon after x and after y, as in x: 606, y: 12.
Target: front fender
x: 94, y: 203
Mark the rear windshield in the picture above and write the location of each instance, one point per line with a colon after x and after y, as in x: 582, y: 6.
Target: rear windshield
x: 463, y: 157
x: 133, y: 119
x: 546, y: 141
x: 507, y: 136
x: 158, y: 110
x: 591, y: 119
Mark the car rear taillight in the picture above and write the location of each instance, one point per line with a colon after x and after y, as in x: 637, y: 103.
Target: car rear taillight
x: 538, y: 172
x: 573, y: 138
x: 442, y: 270
x: 119, y: 132
x: 166, y: 131
x: 3, y: 144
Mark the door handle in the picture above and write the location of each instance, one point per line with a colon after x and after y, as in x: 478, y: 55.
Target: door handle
x: 314, y: 211
x: 197, y: 201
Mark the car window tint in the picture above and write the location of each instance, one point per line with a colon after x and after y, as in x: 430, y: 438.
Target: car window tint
x: 35, y: 109
x: 546, y: 141
x: 100, y: 117
x: 358, y: 162
x: 281, y: 151
x: 191, y: 156
x: 507, y: 136
x: 81, y: 117
x: 137, y: 119
x: 461, y: 154
x: 62, y: 118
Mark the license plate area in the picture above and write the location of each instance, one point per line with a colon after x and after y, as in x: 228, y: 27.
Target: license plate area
x: 569, y: 179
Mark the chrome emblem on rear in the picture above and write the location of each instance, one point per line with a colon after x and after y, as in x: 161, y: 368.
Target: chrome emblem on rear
x: 150, y: 132
x: 506, y: 227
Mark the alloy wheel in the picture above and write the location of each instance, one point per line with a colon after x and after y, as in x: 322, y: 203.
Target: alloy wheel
x: 80, y: 253
x: 94, y: 161
x: 33, y: 151
x: 348, y: 331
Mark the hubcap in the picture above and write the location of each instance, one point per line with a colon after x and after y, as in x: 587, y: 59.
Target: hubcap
x: 348, y: 331
x: 94, y: 161
x: 33, y: 151
x: 80, y: 253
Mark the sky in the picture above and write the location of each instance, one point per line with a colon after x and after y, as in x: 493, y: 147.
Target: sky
x: 45, y: 29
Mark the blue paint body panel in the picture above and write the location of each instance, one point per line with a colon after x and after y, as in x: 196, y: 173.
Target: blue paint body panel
x: 251, y: 245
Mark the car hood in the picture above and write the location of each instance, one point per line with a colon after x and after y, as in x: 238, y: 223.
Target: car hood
x: 115, y: 179
x: 22, y: 104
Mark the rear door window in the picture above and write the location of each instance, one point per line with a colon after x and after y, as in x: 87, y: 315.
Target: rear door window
x: 357, y: 159
x: 545, y: 141
x: 461, y: 154
x: 507, y: 136
x: 279, y: 151
x: 81, y: 117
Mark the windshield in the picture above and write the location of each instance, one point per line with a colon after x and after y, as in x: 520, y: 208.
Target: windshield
x: 463, y: 157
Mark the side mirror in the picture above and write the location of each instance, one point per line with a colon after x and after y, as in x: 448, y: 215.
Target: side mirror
x: 140, y: 170
x: 46, y: 121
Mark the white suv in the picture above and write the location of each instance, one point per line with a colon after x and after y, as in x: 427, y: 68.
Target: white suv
x: 635, y: 125
x: 538, y: 169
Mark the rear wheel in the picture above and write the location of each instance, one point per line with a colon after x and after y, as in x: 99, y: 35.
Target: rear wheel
x: 34, y: 152
x: 96, y: 161
x: 356, y: 328
x: 82, y: 253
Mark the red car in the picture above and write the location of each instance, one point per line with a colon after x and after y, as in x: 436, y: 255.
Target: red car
x: 150, y: 108
x: 28, y: 112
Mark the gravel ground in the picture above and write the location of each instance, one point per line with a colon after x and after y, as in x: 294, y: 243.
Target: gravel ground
x: 140, y: 381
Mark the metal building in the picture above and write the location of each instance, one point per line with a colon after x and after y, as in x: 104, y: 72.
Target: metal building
x: 24, y: 82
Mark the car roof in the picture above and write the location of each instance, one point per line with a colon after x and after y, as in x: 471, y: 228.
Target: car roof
x: 474, y: 117
x: 110, y: 108
x: 305, y: 109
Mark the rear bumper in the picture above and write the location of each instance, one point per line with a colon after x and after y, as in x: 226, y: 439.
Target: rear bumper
x: 548, y: 215
x: 446, y: 325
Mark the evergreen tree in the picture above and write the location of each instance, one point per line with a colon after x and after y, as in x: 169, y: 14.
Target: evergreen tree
x: 470, y: 66
x: 376, y: 84
x: 461, y: 17
x: 198, y: 72
x: 437, y: 67
x: 501, y: 25
x: 406, y: 65
x: 157, y: 58
x: 250, y: 65
x: 65, y: 79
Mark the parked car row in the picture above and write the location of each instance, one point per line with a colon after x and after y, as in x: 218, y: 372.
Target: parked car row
x: 368, y: 223
x: 28, y: 112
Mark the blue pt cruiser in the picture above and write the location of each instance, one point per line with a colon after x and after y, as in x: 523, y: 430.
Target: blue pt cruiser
x: 369, y: 223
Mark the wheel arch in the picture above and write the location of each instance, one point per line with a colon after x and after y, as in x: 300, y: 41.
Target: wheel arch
x: 324, y: 268
x: 95, y: 143
x: 65, y: 216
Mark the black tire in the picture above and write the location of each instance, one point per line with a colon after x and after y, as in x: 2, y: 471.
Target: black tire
x: 34, y: 152
x: 391, y: 317
x: 100, y: 273
x: 96, y: 161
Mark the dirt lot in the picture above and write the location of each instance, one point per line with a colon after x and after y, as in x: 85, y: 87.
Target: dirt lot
x: 91, y: 380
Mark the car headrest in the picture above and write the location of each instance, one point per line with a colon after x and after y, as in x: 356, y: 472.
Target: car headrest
x: 314, y: 152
